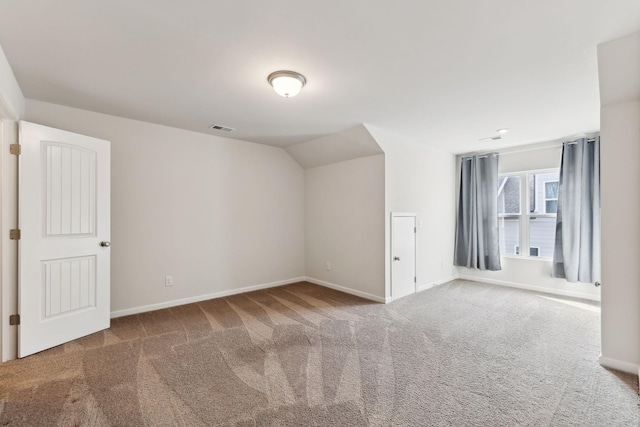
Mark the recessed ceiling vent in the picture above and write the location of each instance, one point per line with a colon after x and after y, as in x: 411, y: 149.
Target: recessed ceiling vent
x: 221, y: 128
x: 491, y: 138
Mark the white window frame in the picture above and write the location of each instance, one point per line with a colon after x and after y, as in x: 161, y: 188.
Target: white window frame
x: 526, y: 215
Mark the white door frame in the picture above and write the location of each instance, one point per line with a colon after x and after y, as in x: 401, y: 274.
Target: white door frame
x: 8, y: 220
x: 415, y: 249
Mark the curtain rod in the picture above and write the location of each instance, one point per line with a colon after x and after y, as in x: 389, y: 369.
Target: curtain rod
x: 576, y: 141
x: 557, y: 143
x: 482, y: 156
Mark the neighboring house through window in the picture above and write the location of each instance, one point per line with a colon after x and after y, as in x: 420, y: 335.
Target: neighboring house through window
x: 533, y: 251
x: 551, y: 196
x: 509, y: 213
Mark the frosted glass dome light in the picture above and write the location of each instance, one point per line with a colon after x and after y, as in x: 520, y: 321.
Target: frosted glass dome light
x: 286, y: 83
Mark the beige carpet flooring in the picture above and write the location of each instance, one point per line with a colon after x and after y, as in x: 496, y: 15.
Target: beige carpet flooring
x: 459, y: 354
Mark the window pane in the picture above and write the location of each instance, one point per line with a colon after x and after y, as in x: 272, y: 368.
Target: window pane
x: 551, y: 189
x: 508, y: 194
x: 543, y: 188
x: 542, y: 233
x: 509, y: 235
x: 551, y: 206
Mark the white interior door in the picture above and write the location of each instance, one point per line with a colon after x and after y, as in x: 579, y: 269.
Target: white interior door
x: 64, y: 220
x: 403, y: 255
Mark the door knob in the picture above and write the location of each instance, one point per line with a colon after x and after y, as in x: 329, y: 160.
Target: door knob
x: 396, y: 258
x: 105, y: 244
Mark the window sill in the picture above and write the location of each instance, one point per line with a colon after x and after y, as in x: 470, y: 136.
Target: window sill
x: 529, y: 258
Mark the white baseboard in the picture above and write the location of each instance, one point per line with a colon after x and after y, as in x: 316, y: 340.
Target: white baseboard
x: 183, y: 301
x: 436, y: 283
x: 346, y: 290
x: 531, y: 287
x: 619, y: 365
x: 426, y: 286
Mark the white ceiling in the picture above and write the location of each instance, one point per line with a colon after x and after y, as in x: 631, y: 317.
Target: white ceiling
x: 440, y: 72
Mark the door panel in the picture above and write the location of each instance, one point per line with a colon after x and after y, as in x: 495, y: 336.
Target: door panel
x: 69, y: 285
x: 403, y: 270
x: 64, y: 202
x: 71, y: 190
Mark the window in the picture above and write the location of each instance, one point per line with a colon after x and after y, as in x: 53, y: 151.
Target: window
x: 535, y: 228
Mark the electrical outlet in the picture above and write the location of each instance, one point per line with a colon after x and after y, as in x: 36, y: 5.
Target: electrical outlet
x: 328, y: 266
x: 168, y: 281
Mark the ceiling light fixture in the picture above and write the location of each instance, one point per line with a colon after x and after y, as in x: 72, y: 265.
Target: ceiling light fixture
x: 503, y: 130
x: 286, y: 83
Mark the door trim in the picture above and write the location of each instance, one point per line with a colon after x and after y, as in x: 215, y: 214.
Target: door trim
x: 9, y: 248
x: 11, y: 110
x: 415, y: 248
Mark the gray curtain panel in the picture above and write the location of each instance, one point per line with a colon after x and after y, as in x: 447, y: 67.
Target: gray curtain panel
x: 477, y: 244
x: 576, y: 256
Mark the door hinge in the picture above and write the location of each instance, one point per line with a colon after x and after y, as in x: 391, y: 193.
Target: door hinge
x: 14, y: 234
x: 415, y: 279
x: 415, y: 230
x: 14, y: 319
x: 15, y: 149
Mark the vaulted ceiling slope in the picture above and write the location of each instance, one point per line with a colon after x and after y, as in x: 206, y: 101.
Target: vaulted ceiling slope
x: 439, y: 72
x: 349, y: 144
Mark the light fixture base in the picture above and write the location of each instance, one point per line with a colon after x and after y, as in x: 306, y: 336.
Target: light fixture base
x: 286, y: 83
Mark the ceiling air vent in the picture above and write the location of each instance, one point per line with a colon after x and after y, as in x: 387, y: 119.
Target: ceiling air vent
x: 491, y: 138
x: 221, y: 128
